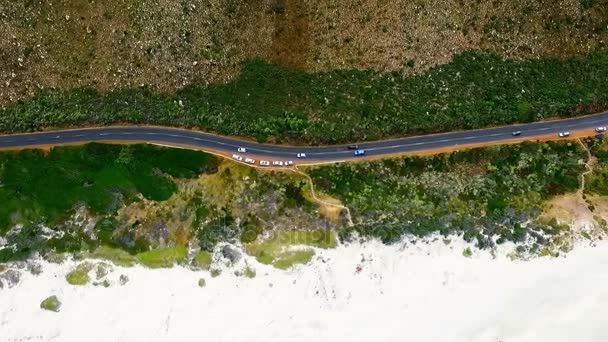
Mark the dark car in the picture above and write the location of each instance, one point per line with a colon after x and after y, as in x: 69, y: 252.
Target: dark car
x: 353, y: 147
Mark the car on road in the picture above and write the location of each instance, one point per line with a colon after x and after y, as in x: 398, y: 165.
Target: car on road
x: 289, y: 162
x: 352, y: 147
x: 241, y: 150
x: 264, y: 162
x: 516, y: 133
x: 237, y: 157
x: 564, y: 134
x: 249, y: 161
x: 277, y: 163
x: 301, y: 155
x: 600, y: 129
x: 359, y: 153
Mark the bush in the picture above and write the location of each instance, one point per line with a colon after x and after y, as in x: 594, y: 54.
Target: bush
x: 51, y: 303
x: 270, y: 102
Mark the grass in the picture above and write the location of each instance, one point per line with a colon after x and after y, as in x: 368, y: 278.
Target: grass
x: 249, y: 272
x: 115, y: 255
x: 278, y: 250
x: 321, y: 238
x: 80, y: 274
x: 163, y: 258
x: 267, y: 101
x: 202, y: 259
x: 286, y: 260
x: 51, y: 303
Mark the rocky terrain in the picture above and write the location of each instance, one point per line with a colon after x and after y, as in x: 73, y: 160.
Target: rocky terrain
x: 167, y: 44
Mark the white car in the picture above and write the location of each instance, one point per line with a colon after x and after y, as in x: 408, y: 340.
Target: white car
x: 289, y: 162
x: 241, y: 150
x: 277, y: 163
x: 264, y: 162
x: 249, y: 161
x: 237, y: 157
x: 301, y: 155
x: 601, y: 129
x: 564, y: 134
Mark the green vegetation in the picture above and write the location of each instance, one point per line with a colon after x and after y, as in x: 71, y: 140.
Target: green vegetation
x: 202, y: 282
x: 160, y: 258
x: 115, y: 255
x: 481, y: 193
x: 249, y: 272
x: 597, y: 181
x: 46, y: 188
x: 467, y: 252
x: 80, y: 274
x: 280, y: 248
x: 474, y: 90
x: 51, y: 303
x: 286, y: 260
x: 202, y: 259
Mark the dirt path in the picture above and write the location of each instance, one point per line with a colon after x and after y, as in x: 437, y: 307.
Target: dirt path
x: 588, y: 165
x: 322, y: 202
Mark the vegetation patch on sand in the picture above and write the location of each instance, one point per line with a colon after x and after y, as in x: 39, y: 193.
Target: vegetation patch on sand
x: 115, y: 255
x: 284, y: 249
x: 202, y: 259
x: 80, y: 274
x: 163, y: 258
x: 51, y: 303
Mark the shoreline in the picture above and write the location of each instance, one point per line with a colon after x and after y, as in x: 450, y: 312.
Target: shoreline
x: 422, y: 292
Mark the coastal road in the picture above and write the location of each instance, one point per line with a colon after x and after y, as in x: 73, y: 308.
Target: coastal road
x: 227, y: 146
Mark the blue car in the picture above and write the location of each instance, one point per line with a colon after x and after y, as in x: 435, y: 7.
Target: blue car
x: 359, y: 153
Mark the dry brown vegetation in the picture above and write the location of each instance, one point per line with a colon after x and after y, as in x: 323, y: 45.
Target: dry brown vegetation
x: 167, y: 44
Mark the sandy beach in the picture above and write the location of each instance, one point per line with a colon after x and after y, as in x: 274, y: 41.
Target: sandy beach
x: 358, y: 292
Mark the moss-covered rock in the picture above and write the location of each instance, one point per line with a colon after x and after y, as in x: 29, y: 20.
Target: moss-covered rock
x: 80, y: 274
x: 51, y: 303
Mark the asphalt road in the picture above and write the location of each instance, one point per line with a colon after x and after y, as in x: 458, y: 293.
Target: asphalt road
x: 214, y: 143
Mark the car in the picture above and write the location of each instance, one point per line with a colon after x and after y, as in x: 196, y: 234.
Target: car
x: 564, y: 134
x: 352, y: 147
x: 516, y: 133
x: 289, y: 162
x: 301, y: 155
x: 277, y: 163
x: 264, y: 162
x: 241, y: 150
x: 600, y: 129
x: 249, y: 161
x: 359, y: 153
x: 237, y: 157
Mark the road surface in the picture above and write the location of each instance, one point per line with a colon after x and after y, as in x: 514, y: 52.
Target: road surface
x: 228, y: 146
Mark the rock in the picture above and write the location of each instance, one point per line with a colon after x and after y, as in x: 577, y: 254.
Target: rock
x: 51, y: 303
x: 10, y: 277
x: 123, y: 279
x: 231, y: 253
x: 34, y: 268
x: 202, y: 282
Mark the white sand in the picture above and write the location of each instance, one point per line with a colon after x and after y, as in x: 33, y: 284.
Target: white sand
x: 425, y: 293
